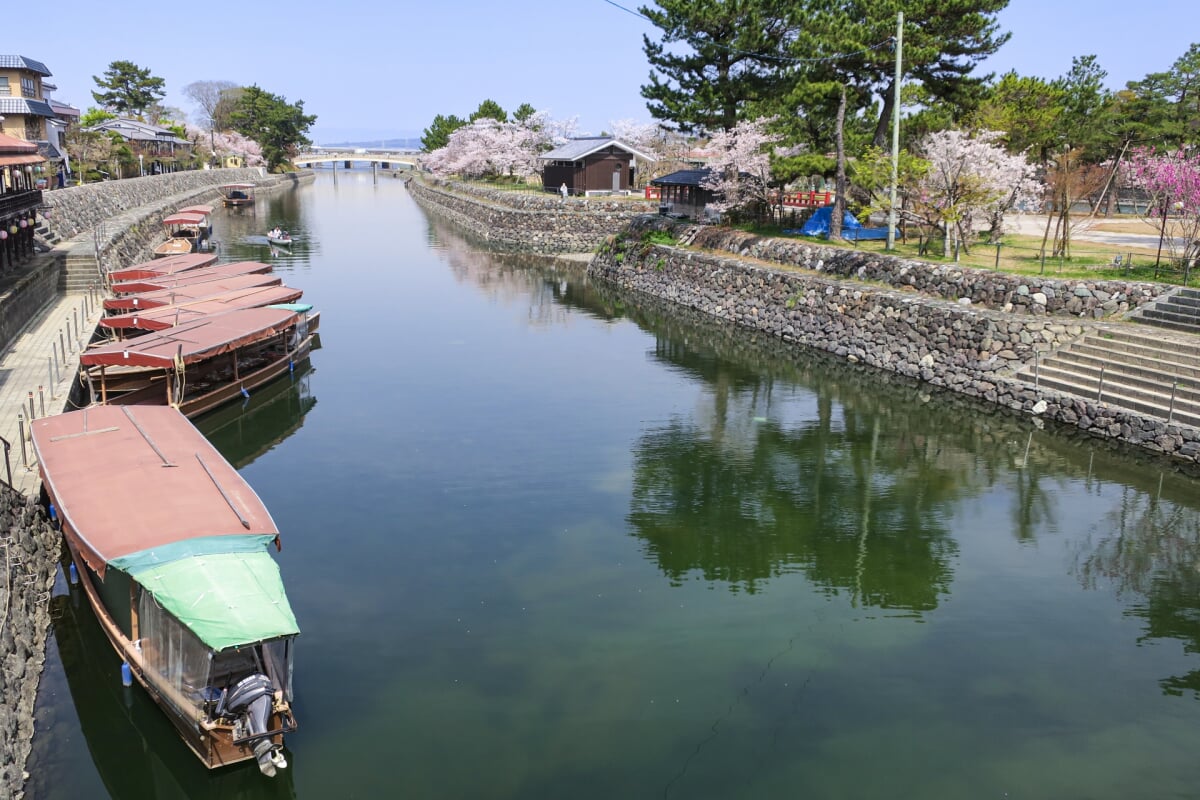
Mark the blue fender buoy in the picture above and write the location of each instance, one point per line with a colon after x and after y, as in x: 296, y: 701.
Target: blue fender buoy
x: 291, y: 365
x: 126, y: 674
x: 245, y: 394
x: 73, y: 574
x: 53, y: 512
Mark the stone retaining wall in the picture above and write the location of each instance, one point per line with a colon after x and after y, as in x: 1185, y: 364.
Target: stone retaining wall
x: 523, y: 221
x: 29, y: 549
x: 79, y: 209
x: 968, y: 348
x: 36, y: 286
x: 129, y: 236
x: 1028, y: 294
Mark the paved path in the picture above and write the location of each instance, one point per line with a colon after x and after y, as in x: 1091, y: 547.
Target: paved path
x: 28, y: 366
x: 1083, y: 230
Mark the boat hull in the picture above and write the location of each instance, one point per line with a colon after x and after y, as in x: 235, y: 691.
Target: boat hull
x: 149, y: 386
x: 214, y: 745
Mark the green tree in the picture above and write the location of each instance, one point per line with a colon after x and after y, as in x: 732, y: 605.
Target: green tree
x: 1169, y: 102
x: 943, y: 42
x: 438, y: 133
x: 278, y: 126
x: 128, y: 88
x: 523, y: 112
x: 1027, y: 110
x: 489, y: 109
x: 731, y: 56
x: 94, y: 116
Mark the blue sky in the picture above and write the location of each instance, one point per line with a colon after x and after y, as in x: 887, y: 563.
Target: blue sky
x: 370, y: 70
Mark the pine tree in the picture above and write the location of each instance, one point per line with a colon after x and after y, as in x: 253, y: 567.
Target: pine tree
x: 732, y: 56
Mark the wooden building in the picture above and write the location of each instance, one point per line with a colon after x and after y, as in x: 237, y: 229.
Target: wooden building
x: 682, y: 192
x: 19, y: 198
x: 590, y: 164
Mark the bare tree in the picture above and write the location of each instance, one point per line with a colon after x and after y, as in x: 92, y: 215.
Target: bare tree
x: 213, y: 99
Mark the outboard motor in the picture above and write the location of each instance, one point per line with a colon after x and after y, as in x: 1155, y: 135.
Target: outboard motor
x: 249, y: 702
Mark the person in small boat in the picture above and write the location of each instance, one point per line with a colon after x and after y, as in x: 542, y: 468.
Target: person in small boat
x: 275, y: 232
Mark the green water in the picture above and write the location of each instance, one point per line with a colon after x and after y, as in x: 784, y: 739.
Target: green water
x: 546, y: 541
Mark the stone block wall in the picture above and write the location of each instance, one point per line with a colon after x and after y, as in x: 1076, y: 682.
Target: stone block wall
x: 963, y: 346
x: 29, y: 551
x: 79, y: 209
x: 522, y: 221
x: 1024, y: 294
x: 36, y: 286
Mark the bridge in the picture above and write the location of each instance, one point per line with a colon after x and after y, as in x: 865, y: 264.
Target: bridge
x: 387, y: 159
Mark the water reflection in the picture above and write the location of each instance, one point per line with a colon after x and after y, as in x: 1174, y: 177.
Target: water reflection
x: 137, y: 753
x: 244, y: 431
x: 243, y: 231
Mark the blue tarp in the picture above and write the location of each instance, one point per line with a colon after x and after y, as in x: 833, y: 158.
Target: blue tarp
x: 852, y: 229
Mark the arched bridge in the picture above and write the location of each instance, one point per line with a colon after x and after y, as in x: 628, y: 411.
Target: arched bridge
x: 397, y: 159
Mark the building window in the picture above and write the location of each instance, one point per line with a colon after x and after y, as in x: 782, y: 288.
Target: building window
x: 29, y: 88
x: 5, y: 89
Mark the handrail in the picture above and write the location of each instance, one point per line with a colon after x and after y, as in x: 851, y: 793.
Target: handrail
x: 7, y: 465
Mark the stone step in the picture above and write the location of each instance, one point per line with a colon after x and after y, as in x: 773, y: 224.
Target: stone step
x: 1168, y: 362
x: 1170, y: 320
x: 1143, y: 376
x: 1180, y: 302
x: 1188, y: 292
x: 1154, y: 404
x: 1127, y: 348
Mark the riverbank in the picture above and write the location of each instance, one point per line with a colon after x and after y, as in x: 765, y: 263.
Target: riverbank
x: 524, y: 222
x: 40, y: 324
x: 958, y: 328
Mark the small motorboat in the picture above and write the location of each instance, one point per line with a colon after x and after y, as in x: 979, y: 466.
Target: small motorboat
x: 277, y: 236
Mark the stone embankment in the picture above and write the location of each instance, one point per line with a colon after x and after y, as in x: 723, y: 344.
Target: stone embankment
x: 120, y: 221
x: 29, y: 547
x: 528, y: 222
x: 963, y: 329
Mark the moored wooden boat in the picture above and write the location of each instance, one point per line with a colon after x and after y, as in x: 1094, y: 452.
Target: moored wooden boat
x: 187, y: 232
x: 238, y: 194
x: 189, y: 309
x: 162, y: 267
x: 212, y: 272
x: 170, y: 545
x: 199, y: 365
x: 193, y: 291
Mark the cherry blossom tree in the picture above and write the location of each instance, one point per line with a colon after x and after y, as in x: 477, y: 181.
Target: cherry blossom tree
x: 228, y: 143
x: 667, y: 147
x: 972, y: 181
x: 490, y: 148
x: 740, y: 171
x: 1173, y: 182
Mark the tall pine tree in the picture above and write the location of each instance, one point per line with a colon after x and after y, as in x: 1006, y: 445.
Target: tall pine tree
x: 715, y: 57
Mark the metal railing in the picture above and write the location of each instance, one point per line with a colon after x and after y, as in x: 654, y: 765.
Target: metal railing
x: 7, y: 466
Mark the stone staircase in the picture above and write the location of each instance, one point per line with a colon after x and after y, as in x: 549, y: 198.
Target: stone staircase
x: 1156, y: 374
x: 1179, y: 310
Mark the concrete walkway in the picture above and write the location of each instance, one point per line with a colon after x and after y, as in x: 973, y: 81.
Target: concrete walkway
x: 29, y: 366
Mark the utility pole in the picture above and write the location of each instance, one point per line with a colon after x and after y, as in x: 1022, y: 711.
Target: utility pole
x: 891, y: 236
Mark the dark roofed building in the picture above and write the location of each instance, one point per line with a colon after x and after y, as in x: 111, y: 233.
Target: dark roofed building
x: 682, y: 192
x: 590, y: 164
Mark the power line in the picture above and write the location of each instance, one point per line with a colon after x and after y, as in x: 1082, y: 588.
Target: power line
x: 785, y: 59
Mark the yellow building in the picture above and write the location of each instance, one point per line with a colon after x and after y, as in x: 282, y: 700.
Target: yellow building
x: 23, y: 107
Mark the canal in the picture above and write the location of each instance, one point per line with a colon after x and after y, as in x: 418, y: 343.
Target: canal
x: 544, y: 541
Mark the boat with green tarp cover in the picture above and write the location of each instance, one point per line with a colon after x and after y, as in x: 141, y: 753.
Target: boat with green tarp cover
x: 170, y: 545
